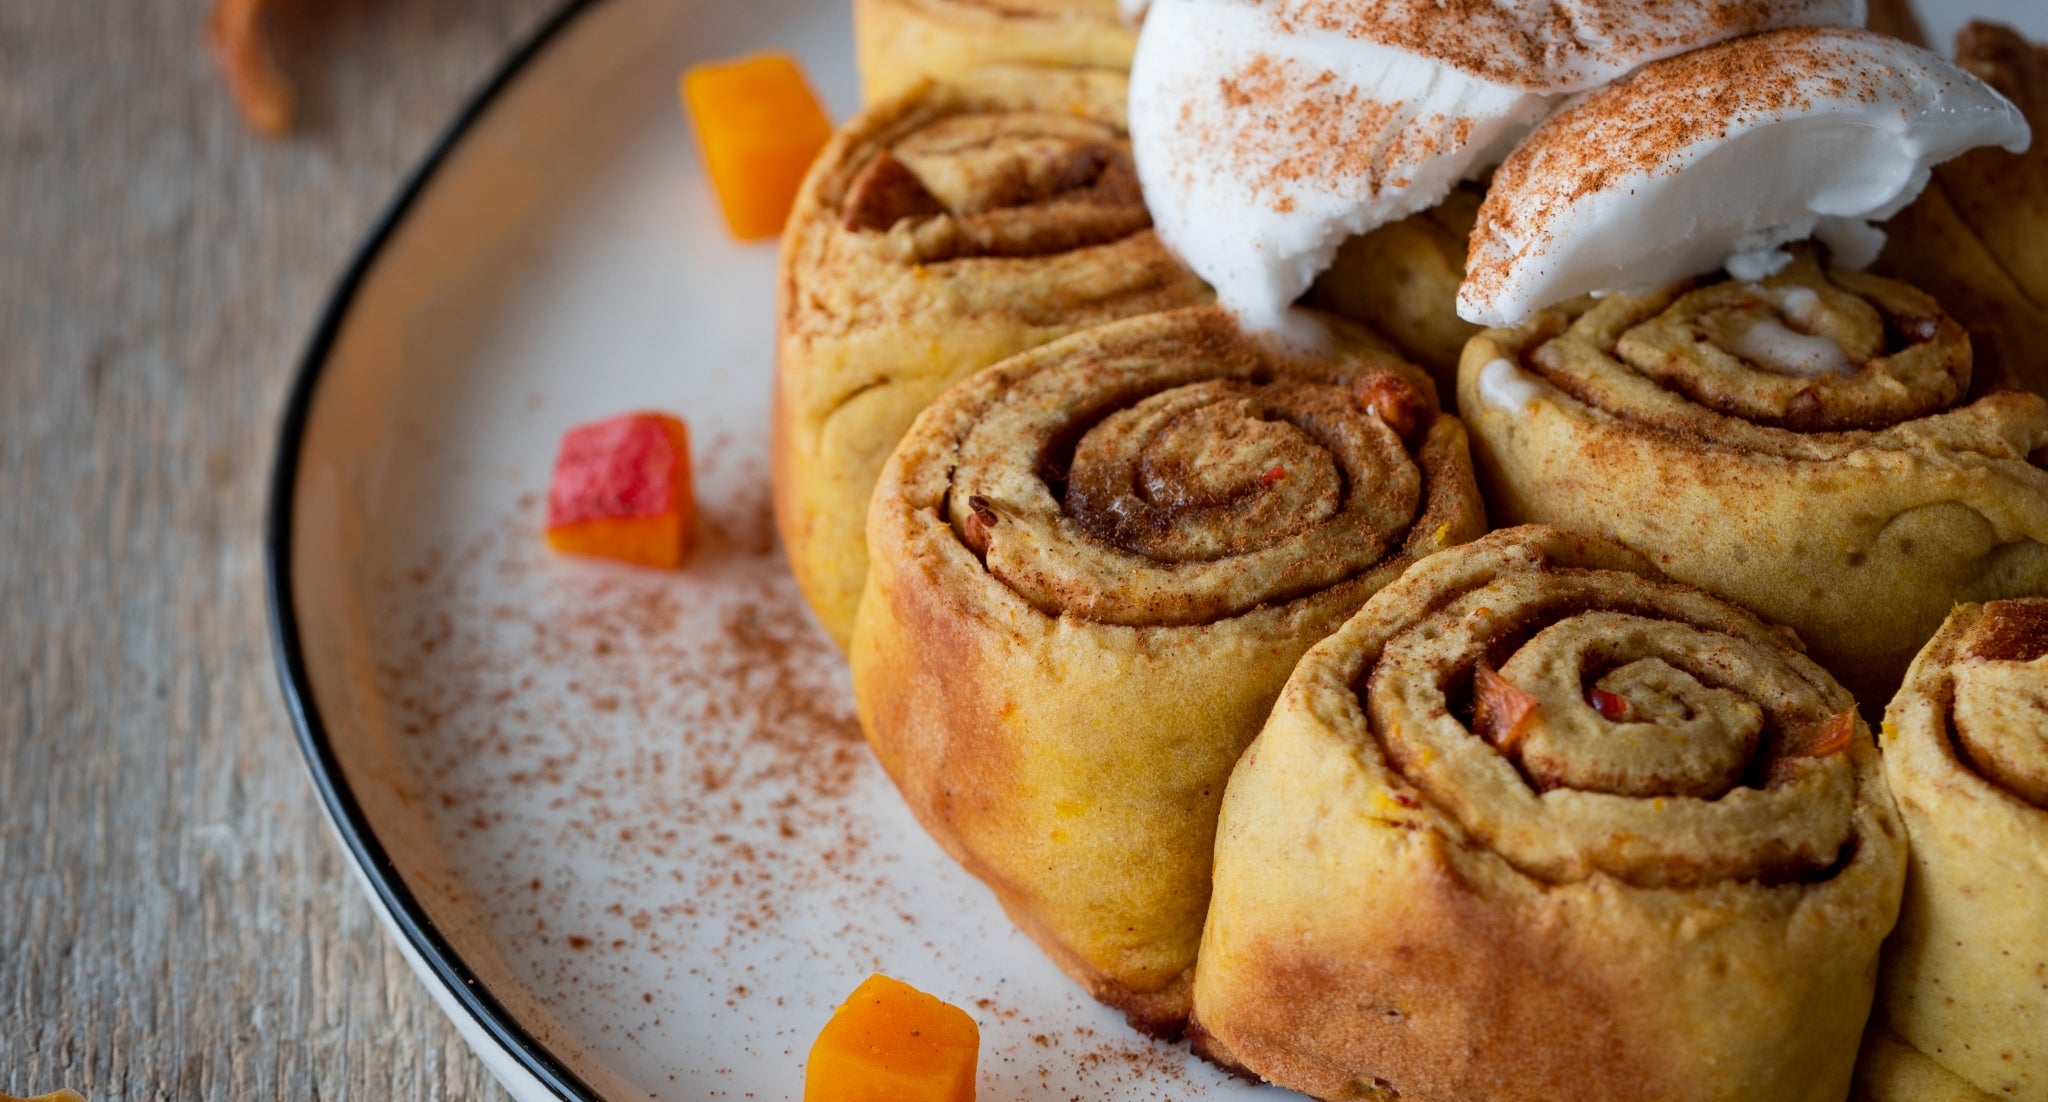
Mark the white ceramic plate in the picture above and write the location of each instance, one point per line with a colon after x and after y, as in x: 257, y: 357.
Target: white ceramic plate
x: 620, y: 823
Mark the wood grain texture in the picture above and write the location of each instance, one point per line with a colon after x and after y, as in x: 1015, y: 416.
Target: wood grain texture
x: 176, y: 921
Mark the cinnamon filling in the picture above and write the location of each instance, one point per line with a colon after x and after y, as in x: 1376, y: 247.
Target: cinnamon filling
x: 1647, y: 732
x: 1999, y: 707
x: 1807, y: 351
x: 2010, y: 631
x: 887, y: 192
x: 1189, y: 478
x: 1192, y: 477
x: 1000, y: 186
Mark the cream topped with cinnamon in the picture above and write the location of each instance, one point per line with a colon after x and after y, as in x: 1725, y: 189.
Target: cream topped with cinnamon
x: 1717, y: 159
x: 1267, y: 132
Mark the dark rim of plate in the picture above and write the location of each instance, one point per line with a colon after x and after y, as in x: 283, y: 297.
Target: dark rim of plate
x: 286, y: 648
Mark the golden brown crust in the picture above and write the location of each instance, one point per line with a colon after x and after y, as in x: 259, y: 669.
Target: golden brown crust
x: 1977, y: 238
x: 1897, y: 19
x: 897, y: 42
x: 1060, y: 694
x: 1401, y: 281
x: 1479, y: 995
x: 1930, y: 244
x: 938, y: 233
x: 2004, y: 196
x: 1855, y: 501
x: 1966, y: 751
x: 1890, y: 1070
x: 1398, y: 912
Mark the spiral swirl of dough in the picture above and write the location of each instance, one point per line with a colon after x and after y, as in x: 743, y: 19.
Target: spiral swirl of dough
x: 1528, y: 825
x: 1180, y: 477
x: 1093, y: 567
x: 1806, y: 351
x: 1698, y: 769
x: 1965, y: 977
x: 940, y: 232
x: 1817, y: 446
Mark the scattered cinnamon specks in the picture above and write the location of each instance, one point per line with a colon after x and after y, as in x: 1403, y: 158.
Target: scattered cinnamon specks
x: 654, y: 831
x: 1281, y: 111
x: 1548, y: 47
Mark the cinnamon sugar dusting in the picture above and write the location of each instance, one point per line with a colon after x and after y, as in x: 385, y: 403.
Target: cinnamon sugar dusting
x: 658, y: 816
x: 1267, y: 134
x: 2010, y: 631
x: 1647, y: 122
x: 1261, y: 152
x: 708, y: 748
x: 1283, y: 146
x: 1632, y: 187
x: 1559, y: 45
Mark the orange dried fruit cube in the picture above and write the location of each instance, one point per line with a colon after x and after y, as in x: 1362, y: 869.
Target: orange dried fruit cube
x: 760, y: 127
x: 890, y: 1042
x: 621, y: 490
x: 258, y: 85
x: 1500, y: 709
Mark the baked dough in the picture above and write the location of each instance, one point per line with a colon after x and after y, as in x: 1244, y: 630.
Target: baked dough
x: 1977, y: 238
x: 1966, y: 750
x: 1854, y: 500
x: 1401, y: 281
x: 1450, y: 869
x: 1093, y: 566
x: 896, y: 42
x: 1890, y: 1070
x: 938, y: 233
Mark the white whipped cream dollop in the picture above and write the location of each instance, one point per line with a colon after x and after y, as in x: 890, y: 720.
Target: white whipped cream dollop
x: 1718, y: 159
x: 1505, y: 386
x: 1787, y: 351
x: 1267, y: 132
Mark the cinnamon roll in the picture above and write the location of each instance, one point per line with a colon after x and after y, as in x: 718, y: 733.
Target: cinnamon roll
x: 1897, y: 19
x: 896, y: 42
x: 1093, y: 567
x: 1540, y: 824
x: 1814, y: 446
x: 1977, y: 238
x: 1965, y: 978
x: 1890, y: 1070
x: 937, y: 234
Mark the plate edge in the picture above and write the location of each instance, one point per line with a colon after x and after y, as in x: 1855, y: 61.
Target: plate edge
x: 403, y: 915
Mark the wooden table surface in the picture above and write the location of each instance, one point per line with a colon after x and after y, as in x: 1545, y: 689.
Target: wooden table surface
x: 176, y: 921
